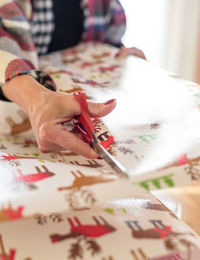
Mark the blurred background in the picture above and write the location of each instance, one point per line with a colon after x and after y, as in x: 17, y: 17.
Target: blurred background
x: 168, y: 31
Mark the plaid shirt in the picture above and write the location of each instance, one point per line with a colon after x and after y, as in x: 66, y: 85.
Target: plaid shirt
x: 26, y: 31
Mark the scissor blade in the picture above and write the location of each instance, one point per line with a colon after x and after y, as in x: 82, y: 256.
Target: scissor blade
x: 110, y: 160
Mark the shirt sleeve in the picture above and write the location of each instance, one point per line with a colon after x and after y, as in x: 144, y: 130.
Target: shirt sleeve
x: 18, y: 55
x: 117, y: 24
x: 105, y: 21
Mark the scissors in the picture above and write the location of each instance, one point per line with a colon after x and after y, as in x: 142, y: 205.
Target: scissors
x: 87, y: 129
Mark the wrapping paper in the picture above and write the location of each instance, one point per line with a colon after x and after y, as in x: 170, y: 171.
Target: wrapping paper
x: 134, y: 228
x: 153, y: 132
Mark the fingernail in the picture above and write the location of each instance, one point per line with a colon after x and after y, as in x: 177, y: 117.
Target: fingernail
x: 109, y: 101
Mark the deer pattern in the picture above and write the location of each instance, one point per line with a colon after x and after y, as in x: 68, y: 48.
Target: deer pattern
x: 99, y: 229
x: 191, y: 168
x: 108, y: 258
x: 158, y: 231
x: 8, y: 256
x: 82, y: 180
x: 60, y: 71
x: 3, y: 254
x: 10, y: 214
x: 3, y: 147
x: 138, y: 254
x: 27, y: 143
x: 11, y: 156
x: 105, y: 139
x: 90, y: 64
x: 34, y: 177
x: 19, y: 127
x: 89, y: 82
x: 109, y: 68
x: 102, y: 55
x: 90, y: 164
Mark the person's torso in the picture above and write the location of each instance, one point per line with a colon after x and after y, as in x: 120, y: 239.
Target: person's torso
x: 68, y: 19
x: 56, y: 24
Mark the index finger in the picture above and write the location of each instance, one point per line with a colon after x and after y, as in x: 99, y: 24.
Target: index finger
x: 70, y: 141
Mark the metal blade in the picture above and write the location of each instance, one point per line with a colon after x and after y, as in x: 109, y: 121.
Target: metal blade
x: 110, y: 160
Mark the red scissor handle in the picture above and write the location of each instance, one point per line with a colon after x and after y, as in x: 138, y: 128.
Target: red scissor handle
x: 84, y: 123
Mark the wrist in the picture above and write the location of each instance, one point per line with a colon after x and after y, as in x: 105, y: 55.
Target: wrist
x: 25, y: 91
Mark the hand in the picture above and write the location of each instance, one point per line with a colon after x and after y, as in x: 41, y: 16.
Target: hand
x: 124, y: 52
x: 48, y: 111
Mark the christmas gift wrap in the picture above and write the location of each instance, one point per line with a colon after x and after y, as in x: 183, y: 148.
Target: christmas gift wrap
x: 78, y: 208
x: 153, y: 132
x: 135, y: 228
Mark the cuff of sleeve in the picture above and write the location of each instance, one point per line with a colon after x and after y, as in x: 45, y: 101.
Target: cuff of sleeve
x: 42, y: 77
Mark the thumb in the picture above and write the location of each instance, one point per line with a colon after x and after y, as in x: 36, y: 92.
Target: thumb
x: 101, y: 109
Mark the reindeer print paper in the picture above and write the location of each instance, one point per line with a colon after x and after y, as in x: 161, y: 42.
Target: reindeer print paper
x: 134, y: 228
x: 153, y: 132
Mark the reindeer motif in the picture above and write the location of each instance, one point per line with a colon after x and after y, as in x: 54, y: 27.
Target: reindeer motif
x: 173, y: 244
x: 3, y: 254
x: 89, y: 231
x: 102, y: 55
x: 11, y: 214
x: 82, y: 180
x: 108, y: 258
x: 190, y: 166
x: 158, y: 231
x: 60, y: 71
x: 30, y: 178
x: 27, y: 143
x: 97, y: 124
x: 140, y: 255
x: 181, y: 161
x: 110, y: 68
x: 113, y: 149
x: 89, y: 82
x: 72, y: 51
x: 91, y: 164
x: 105, y: 139
x: 21, y: 127
x: 2, y: 146
x: 11, y: 156
x: 90, y: 64
x: 72, y: 60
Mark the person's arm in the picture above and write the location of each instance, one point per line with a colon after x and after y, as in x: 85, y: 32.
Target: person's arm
x: 116, y: 29
x: 22, y: 84
x: 17, y: 51
x: 48, y: 111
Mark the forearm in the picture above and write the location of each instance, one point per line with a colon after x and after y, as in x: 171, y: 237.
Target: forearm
x: 25, y: 91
